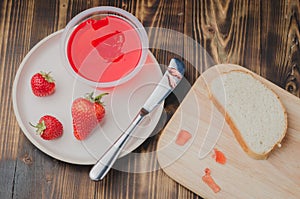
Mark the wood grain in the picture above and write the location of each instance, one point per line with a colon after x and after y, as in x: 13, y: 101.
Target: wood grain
x: 263, y: 36
x: 241, y: 175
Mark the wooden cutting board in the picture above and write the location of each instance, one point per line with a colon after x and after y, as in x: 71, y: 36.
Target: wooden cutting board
x: 241, y: 176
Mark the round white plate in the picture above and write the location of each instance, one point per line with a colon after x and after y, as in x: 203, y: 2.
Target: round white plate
x: 122, y: 104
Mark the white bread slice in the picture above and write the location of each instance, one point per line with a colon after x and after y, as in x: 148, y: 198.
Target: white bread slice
x: 254, y: 112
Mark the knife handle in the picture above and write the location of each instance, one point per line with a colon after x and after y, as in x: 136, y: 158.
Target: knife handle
x: 103, y: 165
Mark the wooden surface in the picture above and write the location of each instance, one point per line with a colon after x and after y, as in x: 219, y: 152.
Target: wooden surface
x: 262, y: 36
x: 241, y: 176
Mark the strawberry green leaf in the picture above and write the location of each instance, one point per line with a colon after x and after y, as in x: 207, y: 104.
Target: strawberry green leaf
x: 47, y: 76
x: 40, y: 127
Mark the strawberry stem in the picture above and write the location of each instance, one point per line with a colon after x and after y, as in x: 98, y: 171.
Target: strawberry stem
x: 97, y: 99
x: 40, y: 127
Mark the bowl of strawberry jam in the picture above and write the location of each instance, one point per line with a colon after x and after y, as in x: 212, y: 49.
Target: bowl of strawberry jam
x: 104, y: 46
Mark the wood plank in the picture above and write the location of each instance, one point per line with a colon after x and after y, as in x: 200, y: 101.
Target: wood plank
x: 7, y: 173
x: 7, y: 164
x: 165, y: 30
x: 11, y: 54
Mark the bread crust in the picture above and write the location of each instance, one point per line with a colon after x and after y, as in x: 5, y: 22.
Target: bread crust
x: 236, y: 131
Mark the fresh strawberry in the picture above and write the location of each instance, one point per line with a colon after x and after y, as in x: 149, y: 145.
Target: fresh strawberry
x: 42, y: 84
x: 87, y: 113
x: 49, y: 127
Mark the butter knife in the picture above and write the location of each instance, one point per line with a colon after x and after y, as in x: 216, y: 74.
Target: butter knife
x: 169, y: 81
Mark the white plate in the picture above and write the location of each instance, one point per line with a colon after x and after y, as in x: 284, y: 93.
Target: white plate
x: 121, y: 105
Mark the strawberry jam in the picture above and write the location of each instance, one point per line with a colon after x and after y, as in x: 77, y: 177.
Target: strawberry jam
x: 219, y: 156
x: 183, y: 137
x: 210, y: 181
x: 104, y: 50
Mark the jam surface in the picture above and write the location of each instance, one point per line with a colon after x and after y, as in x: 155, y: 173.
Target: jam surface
x: 104, y: 50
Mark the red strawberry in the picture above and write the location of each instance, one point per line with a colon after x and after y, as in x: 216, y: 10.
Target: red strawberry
x: 49, y: 127
x: 42, y: 84
x: 87, y: 113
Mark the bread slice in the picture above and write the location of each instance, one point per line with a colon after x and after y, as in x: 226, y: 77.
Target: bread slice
x: 254, y: 112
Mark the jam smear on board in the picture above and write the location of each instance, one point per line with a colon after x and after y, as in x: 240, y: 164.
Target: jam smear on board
x: 210, y: 181
x: 219, y: 156
x: 183, y: 137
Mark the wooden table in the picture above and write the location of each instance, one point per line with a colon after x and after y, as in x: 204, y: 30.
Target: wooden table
x: 262, y: 36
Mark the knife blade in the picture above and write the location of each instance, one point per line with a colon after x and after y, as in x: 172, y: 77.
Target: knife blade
x: 167, y: 84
